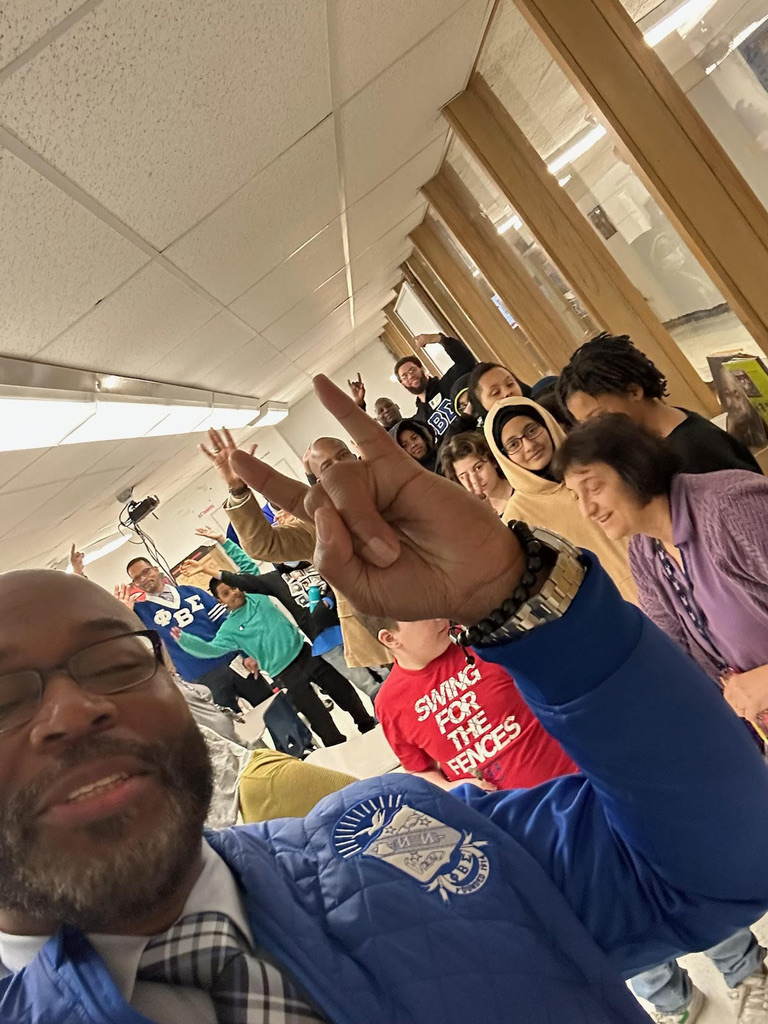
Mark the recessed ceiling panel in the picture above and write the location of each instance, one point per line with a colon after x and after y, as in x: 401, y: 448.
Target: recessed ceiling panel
x: 370, y: 34
x: 57, y: 259
x: 285, y: 286
x: 266, y: 221
x: 153, y: 312
x: 395, y: 198
x: 190, y: 361
x: 162, y: 111
x: 308, y: 312
x: 398, y: 113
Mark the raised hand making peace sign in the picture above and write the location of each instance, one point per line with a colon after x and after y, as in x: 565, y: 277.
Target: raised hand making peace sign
x: 393, y: 538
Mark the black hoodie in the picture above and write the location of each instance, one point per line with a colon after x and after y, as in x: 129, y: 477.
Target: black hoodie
x: 430, y: 459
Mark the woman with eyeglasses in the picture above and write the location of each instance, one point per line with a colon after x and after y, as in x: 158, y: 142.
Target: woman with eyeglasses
x: 523, y: 437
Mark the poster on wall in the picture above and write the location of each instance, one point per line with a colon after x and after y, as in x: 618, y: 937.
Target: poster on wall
x: 742, y: 387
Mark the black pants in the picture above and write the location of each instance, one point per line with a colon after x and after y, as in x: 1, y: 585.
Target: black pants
x: 297, y: 679
x: 226, y: 685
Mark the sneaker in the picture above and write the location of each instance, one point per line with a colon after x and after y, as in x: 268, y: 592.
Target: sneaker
x: 750, y: 999
x: 686, y: 1016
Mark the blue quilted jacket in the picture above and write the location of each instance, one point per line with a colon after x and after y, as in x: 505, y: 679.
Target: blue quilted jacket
x: 397, y: 903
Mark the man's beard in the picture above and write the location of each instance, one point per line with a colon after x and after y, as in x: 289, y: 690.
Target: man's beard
x: 133, y: 874
x: 416, y: 389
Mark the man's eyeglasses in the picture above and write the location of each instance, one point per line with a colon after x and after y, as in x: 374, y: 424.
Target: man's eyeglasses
x: 110, y: 666
x: 514, y: 444
x: 143, y: 575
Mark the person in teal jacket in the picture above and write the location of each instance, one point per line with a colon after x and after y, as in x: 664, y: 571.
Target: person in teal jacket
x: 254, y: 625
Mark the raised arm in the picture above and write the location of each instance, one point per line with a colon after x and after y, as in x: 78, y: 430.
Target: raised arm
x: 290, y: 543
x: 655, y: 825
x: 200, y: 648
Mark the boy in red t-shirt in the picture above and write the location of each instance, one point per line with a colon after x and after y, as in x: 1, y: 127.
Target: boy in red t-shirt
x: 453, y: 718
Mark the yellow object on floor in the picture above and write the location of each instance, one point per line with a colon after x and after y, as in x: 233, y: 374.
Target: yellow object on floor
x: 276, y: 785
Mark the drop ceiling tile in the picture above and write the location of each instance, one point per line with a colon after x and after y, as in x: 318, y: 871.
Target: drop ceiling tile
x: 369, y: 35
x: 291, y: 393
x: 336, y: 324
x: 308, y: 312
x: 330, y: 358
x: 267, y: 220
x: 245, y: 372
x: 383, y: 258
x: 18, y: 507
x: 22, y: 23
x: 382, y: 283
x: 61, y: 463
x: 314, y: 263
x: 73, y: 496
x: 398, y: 113
x: 207, y: 348
x: 394, y: 199
x: 58, y: 259
x: 12, y: 463
x: 152, y: 312
x: 128, y: 454
x: 176, y: 109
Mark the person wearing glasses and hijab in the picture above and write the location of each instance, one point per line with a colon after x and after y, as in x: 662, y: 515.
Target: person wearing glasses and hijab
x: 523, y: 437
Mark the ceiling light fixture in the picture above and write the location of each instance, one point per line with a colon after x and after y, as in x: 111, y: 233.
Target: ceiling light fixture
x: 270, y: 414
x: 110, y: 382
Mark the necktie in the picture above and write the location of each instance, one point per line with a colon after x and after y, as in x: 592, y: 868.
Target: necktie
x: 208, y: 951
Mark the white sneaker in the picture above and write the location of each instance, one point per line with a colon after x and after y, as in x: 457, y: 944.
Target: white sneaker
x: 750, y: 999
x: 686, y: 1016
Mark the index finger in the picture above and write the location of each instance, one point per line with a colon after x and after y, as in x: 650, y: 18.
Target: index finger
x: 282, y: 490
x: 374, y: 441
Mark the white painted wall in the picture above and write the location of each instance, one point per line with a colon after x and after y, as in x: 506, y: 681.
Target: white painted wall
x: 308, y: 419
x: 198, y: 504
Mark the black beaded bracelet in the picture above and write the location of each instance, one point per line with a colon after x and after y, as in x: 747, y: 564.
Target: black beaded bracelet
x: 535, y: 552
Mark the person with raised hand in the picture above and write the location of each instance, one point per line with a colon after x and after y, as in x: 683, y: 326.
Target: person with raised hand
x: 292, y: 541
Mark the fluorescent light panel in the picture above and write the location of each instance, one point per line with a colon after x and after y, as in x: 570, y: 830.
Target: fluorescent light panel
x: 28, y: 423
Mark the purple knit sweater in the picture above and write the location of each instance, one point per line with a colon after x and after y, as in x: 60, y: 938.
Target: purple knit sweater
x: 720, y: 523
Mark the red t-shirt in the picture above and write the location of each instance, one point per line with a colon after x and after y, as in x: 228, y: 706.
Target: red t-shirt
x: 467, y: 717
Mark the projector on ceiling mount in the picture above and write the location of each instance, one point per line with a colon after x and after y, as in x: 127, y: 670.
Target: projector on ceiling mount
x: 135, y: 511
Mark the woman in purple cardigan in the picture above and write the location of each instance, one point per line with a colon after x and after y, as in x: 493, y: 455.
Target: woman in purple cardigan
x: 699, y: 556
x: 699, y: 548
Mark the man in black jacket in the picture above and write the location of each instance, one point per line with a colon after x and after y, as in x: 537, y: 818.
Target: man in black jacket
x: 433, y: 394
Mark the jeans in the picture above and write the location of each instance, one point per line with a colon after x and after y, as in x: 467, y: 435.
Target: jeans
x: 668, y: 986
x: 297, y: 679
x: 361, y: 677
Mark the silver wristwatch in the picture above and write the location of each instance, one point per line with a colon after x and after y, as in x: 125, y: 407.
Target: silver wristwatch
x: 552, y: 600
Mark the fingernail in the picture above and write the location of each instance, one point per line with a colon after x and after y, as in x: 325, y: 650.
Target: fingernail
x: 380, y: 552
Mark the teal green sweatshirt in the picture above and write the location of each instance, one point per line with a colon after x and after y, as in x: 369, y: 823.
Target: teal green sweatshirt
x: 258, y: 628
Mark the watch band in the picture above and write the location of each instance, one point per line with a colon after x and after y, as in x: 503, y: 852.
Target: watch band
x: 523, y: 612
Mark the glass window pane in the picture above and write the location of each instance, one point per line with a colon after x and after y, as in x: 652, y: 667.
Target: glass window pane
x: 522, y: 245
x: 718, y: 52
x: 485, y: 289
x: 584, y: 156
